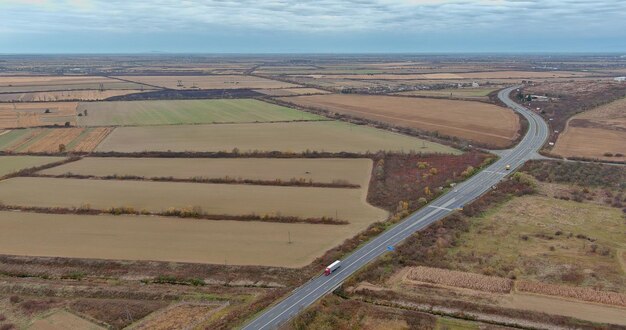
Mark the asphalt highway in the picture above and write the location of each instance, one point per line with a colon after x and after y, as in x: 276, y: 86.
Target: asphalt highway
x: 457, y: 197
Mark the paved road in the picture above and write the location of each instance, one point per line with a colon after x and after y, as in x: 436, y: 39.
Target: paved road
x: 463, y: 193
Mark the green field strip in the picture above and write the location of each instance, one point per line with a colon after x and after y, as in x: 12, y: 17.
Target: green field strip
x: 176, y: 112
x: 11, y: 138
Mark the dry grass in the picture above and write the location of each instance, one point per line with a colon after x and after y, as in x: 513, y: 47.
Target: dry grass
x: 593, y: 133
x: 180, y: 317
x: 591, y: 143
x: 545, y: 240
x: 460, y: 279
x: 60, y: 320
x: 476, y: 121
x: 355, y: 171
x: 15, y: 115
x: 208, y: 82
x: 314, y: 136
x: 579, y: 293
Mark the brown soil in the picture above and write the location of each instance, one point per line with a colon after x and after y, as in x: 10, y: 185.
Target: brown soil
x: 481, y: 122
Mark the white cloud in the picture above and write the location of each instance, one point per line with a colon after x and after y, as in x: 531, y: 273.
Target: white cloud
x: 324, y: 16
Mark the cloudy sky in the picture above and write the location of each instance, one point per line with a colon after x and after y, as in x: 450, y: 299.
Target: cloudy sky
x: 311, y: 26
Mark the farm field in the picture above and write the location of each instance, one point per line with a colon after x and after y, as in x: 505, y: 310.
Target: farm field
x: 593, y: 133
x: 72, y: 95
x: 355, y: 171
x: 62, y: 319
x: 457, y: 93
x: 139, y: 113
x: 10, y: 164
x: 14, y: 115
x: 291, y: 91
x: 167, y: 239
x: 564, y: 257
x: 48, y: 140
x: 327, y: 136
x: 229, y: 199
x: 62, y: 83
x: 466, y: 75
x: 208, y: 82
x: 474, y: 121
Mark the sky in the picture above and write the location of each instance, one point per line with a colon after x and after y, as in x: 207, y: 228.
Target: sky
x: 311, y: 26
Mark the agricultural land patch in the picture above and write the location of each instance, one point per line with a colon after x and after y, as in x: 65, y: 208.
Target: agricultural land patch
x: 485, y: 123
x: 328, y: 136
x: 139, y: 113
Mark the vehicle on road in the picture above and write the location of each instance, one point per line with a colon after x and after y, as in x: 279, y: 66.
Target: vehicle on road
x: 507, y: 167
x: 332, y: 267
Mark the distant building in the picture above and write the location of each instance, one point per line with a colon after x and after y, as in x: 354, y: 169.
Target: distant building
x: 619, y: 79
x: 475, y: 84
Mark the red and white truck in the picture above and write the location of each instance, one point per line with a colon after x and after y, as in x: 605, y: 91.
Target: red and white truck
x: 332, y: 267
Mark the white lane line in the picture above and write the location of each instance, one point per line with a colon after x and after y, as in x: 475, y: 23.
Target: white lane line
x: 501, y: 173
x: 439, y: 207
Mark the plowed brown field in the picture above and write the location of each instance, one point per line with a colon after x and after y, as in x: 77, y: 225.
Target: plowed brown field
x: 475, y: 121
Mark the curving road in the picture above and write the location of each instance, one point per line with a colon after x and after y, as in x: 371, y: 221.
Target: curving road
x: 462, y: 194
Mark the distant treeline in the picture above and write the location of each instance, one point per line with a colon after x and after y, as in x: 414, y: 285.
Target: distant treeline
x: 173, y: 94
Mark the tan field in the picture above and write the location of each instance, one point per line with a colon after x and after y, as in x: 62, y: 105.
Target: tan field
x: 10, y: 164
x: 593, y: 133
x: 320, y: 136
x: 50, y: 80
x: 291, y: 91
x: 230, y: 199
x: 355, y: 171
x: 591, y: 143
x: 22, y: 84
x: 208, y: 82
x: 474, y: 121
x: 14, y: 115
x: 167, y: 239
x: 465, y: 75
x: 82, y: 95
x: 61, y: 320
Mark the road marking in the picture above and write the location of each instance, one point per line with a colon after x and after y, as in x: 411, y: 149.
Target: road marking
x: 439, y: 207
x: 501, y: 173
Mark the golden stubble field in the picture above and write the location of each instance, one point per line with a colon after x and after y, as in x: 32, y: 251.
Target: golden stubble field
x: 169, y: 239
x: 330, y: 136
x: 232, y: 199
x: 188, y: 240
x: 474, y: 121
x: 317, y: 170
x: 208, y: 82
x: 593, y: 133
